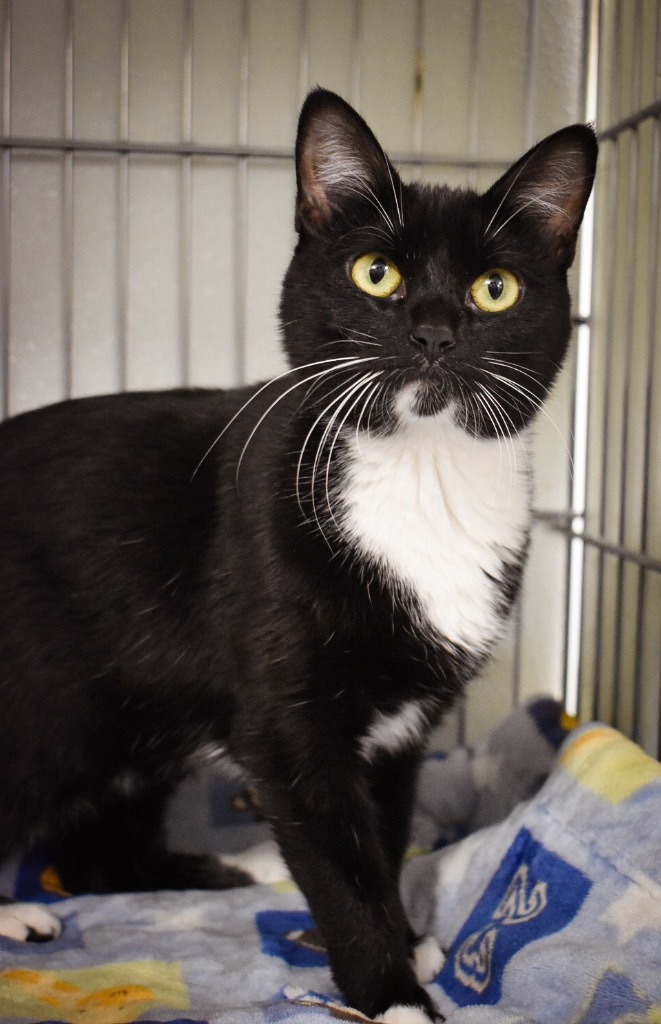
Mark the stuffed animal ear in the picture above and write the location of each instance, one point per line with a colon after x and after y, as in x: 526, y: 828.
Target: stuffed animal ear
x: 337, y: 159
x: 549, y: 186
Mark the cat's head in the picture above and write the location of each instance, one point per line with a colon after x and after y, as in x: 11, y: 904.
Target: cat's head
x: 408, y: 300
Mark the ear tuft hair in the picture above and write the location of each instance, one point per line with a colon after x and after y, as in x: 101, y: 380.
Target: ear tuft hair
x: 337, y: 156
x: 550, y: 186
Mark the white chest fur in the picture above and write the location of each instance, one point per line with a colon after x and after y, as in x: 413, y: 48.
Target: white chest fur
x: 439, y: 511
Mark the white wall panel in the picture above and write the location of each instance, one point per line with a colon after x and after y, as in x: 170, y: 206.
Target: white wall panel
x: 555, y: 76
x: 217, y: 50
x: 542, y: 654
x: 269, y: 242
x: 274, y: 80
x: 154, y: 358
x: 38, y: 60
x: 331, y: 44
x: 214, y: 346
x: 157, y: 44
x: 95, y: 357
x: 37, y: 343
x: 387, y: 70
x: 501, y: 79
x: 97, y: 69
x: 449, y: 61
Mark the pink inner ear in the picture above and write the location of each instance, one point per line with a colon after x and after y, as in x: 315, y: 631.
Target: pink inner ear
x: 560, y: 202
x: 313, y: 204
x: 337, y: 157
x: 550, y: 186
x: 566, y: 197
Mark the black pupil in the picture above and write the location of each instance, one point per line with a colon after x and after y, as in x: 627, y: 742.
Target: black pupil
x: 495, y: 286
x: 378, y: 271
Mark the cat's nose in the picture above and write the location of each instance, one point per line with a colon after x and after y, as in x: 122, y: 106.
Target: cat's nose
x: 433, y: 339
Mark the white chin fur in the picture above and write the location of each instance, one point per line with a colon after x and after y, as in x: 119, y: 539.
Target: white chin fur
x: 263, y: 862
x: 22, y: 921
x: 403, y: 1015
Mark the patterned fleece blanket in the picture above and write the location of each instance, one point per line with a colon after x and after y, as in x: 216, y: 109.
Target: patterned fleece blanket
x: 551, y: 915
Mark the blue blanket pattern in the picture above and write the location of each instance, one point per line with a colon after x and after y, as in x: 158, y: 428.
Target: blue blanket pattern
x: 549, y: 916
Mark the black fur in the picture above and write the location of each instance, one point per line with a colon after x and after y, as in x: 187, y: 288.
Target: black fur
x: 164, y: 586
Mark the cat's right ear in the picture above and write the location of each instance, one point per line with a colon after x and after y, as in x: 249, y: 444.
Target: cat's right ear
x: 337, y: 159
x: 549, y: 188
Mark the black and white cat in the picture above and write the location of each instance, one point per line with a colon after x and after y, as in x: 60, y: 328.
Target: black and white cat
x: 303, y: 574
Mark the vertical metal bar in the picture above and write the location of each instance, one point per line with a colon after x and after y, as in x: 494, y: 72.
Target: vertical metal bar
x: 618, y: 109
x: 609, y: 267
x: 473, y: 140
x: 636, y: 72
x: 474, y: 109
x: 186, y: 201
x: 581, y: 394
x: 357, y: 54
x: 528, y: 131
x: 531, y: 42
x: 626, y: 343
x: 123, y: 201
x: 304, y: 52
x: 417, y: 120
x: 5, y: 214
x: 517, y: 625
x: 654, y: 255
x: 241, y: 201
x: 67, y: 204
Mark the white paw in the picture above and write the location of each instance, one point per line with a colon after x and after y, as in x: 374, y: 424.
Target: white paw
x: 23, y: 921
x: 428, y: 958
x: 263, y: 862
x: 404, y: 1015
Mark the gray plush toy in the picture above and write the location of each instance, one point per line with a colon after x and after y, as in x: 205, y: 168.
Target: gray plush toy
x: 470, y: 789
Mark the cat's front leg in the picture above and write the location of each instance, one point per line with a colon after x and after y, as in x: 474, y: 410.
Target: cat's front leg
x: 327, y: 824
x: 393, y: 778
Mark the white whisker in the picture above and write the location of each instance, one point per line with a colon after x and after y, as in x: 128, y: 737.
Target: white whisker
x: 320, y: 381
x: 298, y: 384
x: 530, y: 374
x: 366, y: 405
x: 537, y: 199
x: 372, y: 198
x: 537, y: 404
x: 504, y: 199
x: 392, y: 183
x: 495, y: 413
x: 268, y: 383
x: 329, y: 457
x: 352, y: 341
x: 324, y: 412
x: 339, y: 404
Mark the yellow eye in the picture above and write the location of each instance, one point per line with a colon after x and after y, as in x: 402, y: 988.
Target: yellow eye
x: 495, y: 291
x: 376, y: 275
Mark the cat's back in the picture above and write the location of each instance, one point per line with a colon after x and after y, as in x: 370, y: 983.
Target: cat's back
x: 114, y: 494
x: 99, y: 426
x: 106, y: 449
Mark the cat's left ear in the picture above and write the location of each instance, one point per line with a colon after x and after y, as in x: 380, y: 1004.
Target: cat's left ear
x: 549, y: 187
x: 339, y: 160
